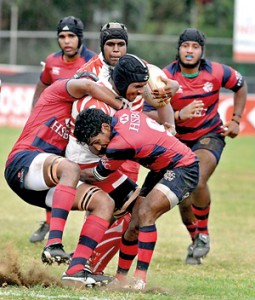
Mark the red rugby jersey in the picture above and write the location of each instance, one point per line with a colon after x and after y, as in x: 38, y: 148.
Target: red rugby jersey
x: 47, y: 128
x: 206, y: 87
x: 137, y: 137
x: 56, y: 68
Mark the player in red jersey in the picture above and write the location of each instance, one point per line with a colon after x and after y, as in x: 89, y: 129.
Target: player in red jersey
x: 173, y: 176
x: 59, y: 65
x: 36, y: 163
x: 199, y: 126
x: 113, y: 43
x: 64, y: 63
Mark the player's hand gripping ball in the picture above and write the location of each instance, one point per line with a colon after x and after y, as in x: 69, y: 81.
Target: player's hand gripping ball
x: 155, y: 83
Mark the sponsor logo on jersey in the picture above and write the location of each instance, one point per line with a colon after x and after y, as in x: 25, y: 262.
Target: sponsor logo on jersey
x: 135, y: 121
x: 56, y: 70
x: 60, y: 129
x: 124, y: 119
x: 105, y: 162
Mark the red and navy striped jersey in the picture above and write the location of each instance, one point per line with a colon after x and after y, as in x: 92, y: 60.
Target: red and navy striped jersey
x: 47, y: 128
x: 137, y: 137
x: 98, y: 66
x: 206, y: 87
x: 56, y: 68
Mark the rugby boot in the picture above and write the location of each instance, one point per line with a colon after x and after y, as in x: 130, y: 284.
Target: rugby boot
x: 55, y: 253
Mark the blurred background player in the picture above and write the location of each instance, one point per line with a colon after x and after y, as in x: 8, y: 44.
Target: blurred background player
x: 61, y: 64
x: 64, y: 63
x: 199, y: 126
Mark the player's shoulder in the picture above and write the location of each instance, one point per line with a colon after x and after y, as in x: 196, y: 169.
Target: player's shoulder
x: 87, y: 53
x: 93, y: 64
x: 172, y: 68
x: 217, y: 69
x: 210, y: 66
x: 53, y: 56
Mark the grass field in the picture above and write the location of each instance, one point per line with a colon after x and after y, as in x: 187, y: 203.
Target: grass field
x: 227, y: 272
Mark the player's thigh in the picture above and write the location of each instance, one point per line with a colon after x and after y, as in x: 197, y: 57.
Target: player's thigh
x: 35, y: 177
x: 89, y: 197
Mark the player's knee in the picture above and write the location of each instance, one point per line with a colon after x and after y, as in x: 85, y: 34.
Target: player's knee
x: 202, y: 184
x: 102, y: 205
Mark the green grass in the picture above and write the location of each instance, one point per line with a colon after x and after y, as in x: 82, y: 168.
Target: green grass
x: 227, y: 272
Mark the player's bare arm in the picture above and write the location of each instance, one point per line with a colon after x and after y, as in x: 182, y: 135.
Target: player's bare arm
x: 79, y: 88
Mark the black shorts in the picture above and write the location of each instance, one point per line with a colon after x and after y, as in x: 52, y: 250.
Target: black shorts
x: 213, y: 142
x: 14, y: 174
x: 181, y: 181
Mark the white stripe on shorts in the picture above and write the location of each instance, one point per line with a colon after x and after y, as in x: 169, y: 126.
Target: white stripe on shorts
x: 172, y: 198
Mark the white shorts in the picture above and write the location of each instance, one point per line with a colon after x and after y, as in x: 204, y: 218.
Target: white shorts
x: 34, y: 178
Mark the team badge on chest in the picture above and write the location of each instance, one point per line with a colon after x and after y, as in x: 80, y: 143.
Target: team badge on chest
x: 208, y: 87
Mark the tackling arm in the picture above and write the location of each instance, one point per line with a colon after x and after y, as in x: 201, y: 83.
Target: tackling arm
x: 79, y: 88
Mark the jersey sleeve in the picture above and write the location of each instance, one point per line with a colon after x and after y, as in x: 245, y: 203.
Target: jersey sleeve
x: 45, y: 76
x: 117, y: 152
x: 231, y: 79
x: 105, y: 167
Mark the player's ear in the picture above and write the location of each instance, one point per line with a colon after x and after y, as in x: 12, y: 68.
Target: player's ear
x: 105, y: 127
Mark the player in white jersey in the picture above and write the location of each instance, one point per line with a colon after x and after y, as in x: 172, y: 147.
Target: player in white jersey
x: 86, y: 159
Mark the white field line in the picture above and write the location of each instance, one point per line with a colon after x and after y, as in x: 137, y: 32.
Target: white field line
x: 33, y: 295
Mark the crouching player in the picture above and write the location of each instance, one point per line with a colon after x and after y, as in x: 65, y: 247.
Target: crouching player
x: 174, y: 175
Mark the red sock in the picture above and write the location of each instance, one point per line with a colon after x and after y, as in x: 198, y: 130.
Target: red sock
x: 147, y: 239
x: 48, y: 216
x: 109, y: 245
x: 192, y: 229
x: 91, y: 234
x: 62, y: 202
x: 128, y: 251
x: 202, y: 215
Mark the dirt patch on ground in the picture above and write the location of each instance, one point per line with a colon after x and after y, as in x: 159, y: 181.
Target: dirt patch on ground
x: 11, y: 272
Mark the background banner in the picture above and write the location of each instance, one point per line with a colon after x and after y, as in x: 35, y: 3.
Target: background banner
x: 16, y: 102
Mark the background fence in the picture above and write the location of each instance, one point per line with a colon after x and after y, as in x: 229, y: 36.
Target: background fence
x: 29, y: 48
x: 22, y: 52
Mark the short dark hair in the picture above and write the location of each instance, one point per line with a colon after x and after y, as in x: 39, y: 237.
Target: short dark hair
x: 89, y: 123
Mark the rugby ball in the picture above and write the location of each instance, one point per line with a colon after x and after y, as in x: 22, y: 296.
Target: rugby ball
x: 154, y: 83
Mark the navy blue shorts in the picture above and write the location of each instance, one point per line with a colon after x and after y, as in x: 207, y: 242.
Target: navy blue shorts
x: 181, y: 181
x: 213, y: 142
x: 15, y: 172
